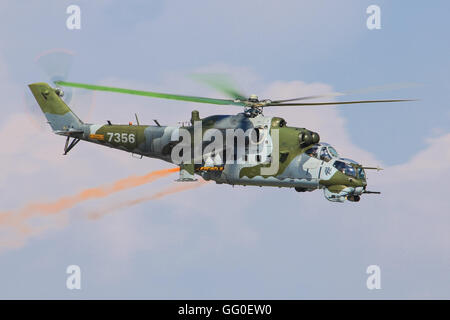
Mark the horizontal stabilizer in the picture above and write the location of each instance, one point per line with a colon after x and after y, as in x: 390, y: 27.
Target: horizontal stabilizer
x: 69, y: 132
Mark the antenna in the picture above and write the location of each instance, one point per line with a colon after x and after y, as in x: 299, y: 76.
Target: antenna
x: 137, y: 120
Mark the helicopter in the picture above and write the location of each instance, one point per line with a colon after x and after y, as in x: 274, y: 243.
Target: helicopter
x: 246, y: 148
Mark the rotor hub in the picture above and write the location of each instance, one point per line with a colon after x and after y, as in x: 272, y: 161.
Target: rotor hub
x: 253, y: 98
x: 59, y: 92
x: 253, y: 111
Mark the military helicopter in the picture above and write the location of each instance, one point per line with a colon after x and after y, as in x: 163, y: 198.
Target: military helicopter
x: 286, y: 156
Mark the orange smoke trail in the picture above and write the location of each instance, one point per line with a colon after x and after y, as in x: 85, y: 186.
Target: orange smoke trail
x: 20, y: 219
x: 179, y: 187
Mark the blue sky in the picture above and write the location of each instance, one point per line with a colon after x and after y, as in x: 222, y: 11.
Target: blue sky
x: 242, y: 242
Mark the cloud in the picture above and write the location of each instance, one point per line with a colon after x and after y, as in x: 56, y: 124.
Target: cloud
x: 417, y: 202
x: 434, y: 161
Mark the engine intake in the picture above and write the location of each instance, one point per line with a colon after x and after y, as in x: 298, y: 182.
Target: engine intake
x: 308, y: 138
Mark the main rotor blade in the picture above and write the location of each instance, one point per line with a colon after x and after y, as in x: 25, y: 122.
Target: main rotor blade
x: 387, y: 87
x: 332, y: 103
x: 221, y: 83
x: 334, y: 94
x: 151, y: 94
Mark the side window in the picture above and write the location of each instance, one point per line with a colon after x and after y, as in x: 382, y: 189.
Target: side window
x: 361, y: 174
x: 339, y: 165
x: 312, y: 152
x: 350, y: 171
x: 333, y: 152
x: 324, y: 155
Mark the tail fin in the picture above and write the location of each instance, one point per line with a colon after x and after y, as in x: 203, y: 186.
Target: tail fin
x: 58, y: 114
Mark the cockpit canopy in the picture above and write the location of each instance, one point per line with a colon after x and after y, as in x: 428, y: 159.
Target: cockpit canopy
x: 350, y: 168
x: 322, y: 151
x: 345, y: 168
x: 325, y: 152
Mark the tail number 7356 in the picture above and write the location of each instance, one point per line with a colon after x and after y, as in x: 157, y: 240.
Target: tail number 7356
x: 121, y: 137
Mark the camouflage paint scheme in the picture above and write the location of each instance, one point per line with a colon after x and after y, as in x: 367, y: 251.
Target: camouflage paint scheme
x: 297, y: 169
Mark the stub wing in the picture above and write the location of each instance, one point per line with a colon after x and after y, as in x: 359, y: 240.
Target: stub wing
x: 186, y: 173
